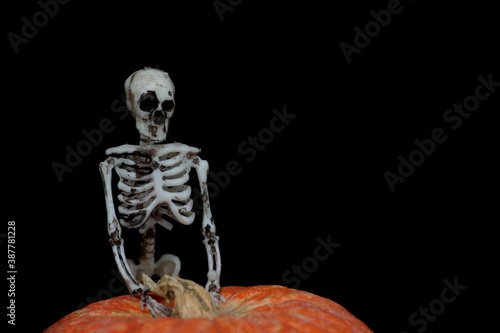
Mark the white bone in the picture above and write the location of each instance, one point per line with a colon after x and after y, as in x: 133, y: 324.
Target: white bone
x: 167, y: 265
x: 153, y: 179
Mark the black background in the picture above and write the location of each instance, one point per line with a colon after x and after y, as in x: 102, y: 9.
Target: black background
x: 322, y: 176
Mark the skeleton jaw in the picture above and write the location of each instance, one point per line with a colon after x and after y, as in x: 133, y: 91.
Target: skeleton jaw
x: 151, y: 131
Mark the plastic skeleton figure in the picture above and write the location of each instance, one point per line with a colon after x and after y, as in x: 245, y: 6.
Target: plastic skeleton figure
x: 153, y: 186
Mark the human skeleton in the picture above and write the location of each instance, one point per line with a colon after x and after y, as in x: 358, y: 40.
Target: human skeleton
x: 153, y: 184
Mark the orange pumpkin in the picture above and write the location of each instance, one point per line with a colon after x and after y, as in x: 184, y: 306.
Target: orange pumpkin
x: 247, y: 309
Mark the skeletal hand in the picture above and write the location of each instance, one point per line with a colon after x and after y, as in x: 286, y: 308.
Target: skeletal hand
x: 216, y: 297
x: 156, y: 309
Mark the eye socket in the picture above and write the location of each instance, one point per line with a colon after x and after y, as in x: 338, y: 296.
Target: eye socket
x: 167, y: 105
x: 148, y: 101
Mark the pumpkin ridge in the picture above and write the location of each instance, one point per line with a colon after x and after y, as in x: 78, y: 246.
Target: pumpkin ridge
x: 255, y: 293
x: 124, y: 303
x: 112, y: 310
x: 176, y: 326
x: 216, y: 325
x: 249, y: 326
x: 260, y: 300
x: 137, y: 328
x: 282, y: 326
x: 341, y: 316
x: 257, y: 296
x: 319, y: 323
x: 304, y: 323
x: 309, y: 326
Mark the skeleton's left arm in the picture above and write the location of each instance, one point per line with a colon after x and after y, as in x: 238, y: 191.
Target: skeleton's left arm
x: 211, y: 240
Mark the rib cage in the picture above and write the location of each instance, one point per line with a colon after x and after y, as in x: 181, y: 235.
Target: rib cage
x: 153, y: 183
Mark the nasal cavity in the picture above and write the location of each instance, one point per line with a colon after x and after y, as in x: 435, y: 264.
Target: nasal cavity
x: 159, y: 117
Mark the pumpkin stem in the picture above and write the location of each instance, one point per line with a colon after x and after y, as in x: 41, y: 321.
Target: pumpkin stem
x: 189, y: 298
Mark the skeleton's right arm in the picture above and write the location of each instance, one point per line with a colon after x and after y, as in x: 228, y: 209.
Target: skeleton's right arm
x: 106, y: 169
x: 114, y: 228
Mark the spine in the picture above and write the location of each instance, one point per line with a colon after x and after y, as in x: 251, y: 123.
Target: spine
x: 148, y: 247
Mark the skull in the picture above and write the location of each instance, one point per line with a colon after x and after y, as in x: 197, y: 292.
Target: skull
x: 150, y: 99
